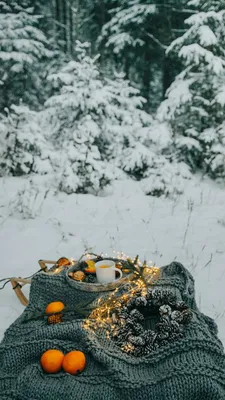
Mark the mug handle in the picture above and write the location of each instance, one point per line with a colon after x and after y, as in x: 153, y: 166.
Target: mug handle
x: 121, y: 274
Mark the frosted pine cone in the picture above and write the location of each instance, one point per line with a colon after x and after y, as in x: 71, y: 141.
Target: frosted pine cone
x: 136, y: 315
x: 165, y: 310
x: 140, y: 301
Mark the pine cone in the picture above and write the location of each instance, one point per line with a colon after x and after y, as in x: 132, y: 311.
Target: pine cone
x: 169, y: 297
x: 127, y: 332
x: 156, y: 294
x: 139, y: 351
x: 123, y: 315
x: 175, y: 327
x: 136, y: 315
x: 54, y: 319
x: 187, y: 316
x: 162, y: 335
x: 149, y: 337
x: 177, y: 316
x: 140, y: 301
x: 165, y: 320
x: 136, y: 340
x: 165, y: 310
x: 163, y: 330
x: 148, y: 349
x: 181, y: 305
x: 138, y: 329
x: 149, y: 294
x: 90, y: 279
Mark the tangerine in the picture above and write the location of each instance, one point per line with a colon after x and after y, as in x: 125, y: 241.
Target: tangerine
x: 54, y: 307
x: 63, y: 262
x: 74, y: 362
x: 91, y: 269
x: 51, y: 361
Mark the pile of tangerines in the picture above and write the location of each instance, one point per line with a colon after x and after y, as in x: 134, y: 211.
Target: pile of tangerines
x: 53, y: 360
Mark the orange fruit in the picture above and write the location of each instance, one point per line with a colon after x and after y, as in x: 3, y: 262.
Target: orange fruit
x: 54, y: 307
x: 74, y: 362
x: 90, y: 267
x: 63, y: 261
x: 51, y: 361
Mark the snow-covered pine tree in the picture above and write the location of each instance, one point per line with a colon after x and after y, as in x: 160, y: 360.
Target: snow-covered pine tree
x: 147, y: 159
x: 135, y: 35
x: 195, y: 104
x: 24, y: 149
x: 99, y: 128
x: 22, y: 46
x: 93, y: 120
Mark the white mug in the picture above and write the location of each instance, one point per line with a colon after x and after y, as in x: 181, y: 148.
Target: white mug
x: 107, y: 274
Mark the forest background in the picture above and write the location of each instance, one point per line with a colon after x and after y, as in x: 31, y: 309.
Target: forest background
x: 95, y: 91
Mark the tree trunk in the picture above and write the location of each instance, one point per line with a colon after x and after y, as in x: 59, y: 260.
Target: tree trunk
x: 68, y: 27
x: 54, y: 18
x: 146, y: 72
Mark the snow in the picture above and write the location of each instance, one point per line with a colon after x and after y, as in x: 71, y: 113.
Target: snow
x: 220, y: 97
x: 115, y: 32
x: 206, y: 36
x: 188, y: 142
x: 37, y: 223
x: 195, y: 54
x: 179, y: 93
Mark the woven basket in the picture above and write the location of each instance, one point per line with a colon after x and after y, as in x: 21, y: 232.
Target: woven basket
x: 96, y: 287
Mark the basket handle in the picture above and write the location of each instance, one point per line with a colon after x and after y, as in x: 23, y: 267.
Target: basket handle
x: 17, y: 284
x: 43, y: 263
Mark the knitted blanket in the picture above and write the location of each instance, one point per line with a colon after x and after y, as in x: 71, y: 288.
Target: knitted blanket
x: 190, y: 368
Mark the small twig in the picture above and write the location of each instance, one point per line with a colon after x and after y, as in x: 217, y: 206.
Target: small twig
x: 211, y: 256
x: 190, y: 207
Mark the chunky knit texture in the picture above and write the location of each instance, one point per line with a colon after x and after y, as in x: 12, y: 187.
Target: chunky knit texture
x: 192, y: 368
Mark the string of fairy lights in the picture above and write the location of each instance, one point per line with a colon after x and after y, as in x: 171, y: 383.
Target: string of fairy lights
x: 103, y: 317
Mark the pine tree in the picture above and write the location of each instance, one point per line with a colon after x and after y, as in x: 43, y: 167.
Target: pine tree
x: 100, y: 128
x: 24, y: 150
x: 147, y: 160
x: 22, y: 46
x: 95, y: 120
x: 195, y: 105
x: 76, y: 121
x: 136, y: 37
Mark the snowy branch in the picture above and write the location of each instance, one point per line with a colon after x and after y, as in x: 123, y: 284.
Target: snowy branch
x: 157, y: 41
x: 185, y: 11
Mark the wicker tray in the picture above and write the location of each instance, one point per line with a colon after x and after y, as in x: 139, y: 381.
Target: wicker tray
x: 96, y: 287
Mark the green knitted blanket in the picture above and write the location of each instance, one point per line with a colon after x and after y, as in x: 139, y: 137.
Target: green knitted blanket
x: 191, y: 368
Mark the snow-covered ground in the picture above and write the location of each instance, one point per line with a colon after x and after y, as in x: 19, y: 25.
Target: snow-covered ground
x: 38, y: 224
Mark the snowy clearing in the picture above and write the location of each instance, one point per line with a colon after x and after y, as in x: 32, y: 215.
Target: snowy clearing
x: 190, y: 229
